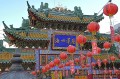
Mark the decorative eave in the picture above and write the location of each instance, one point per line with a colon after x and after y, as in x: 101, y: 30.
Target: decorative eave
x: 41, y: 16
x: 27, y: 37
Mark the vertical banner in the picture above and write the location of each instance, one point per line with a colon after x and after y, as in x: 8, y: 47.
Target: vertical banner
x: 37, y: 59
x: 112, y: 33
x: 94, y: 47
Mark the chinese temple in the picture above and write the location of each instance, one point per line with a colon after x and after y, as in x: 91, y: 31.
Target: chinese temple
x: 6, y: 55
x: 49, y: 31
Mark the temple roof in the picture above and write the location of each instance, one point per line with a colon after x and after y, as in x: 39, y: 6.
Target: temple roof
x: 60, y: 14
x: 7, y: 53
x: 16, y: 70
x: 25, y: 34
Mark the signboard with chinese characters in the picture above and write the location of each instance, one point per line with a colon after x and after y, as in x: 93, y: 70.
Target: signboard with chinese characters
x: 61, y: 41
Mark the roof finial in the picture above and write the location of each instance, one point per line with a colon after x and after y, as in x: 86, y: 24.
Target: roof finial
x: 6, y: 27
x: 28, y: 4
x: 110, y: 1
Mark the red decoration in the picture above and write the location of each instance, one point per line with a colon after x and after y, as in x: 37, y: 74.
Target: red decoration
x: 43, y: 70
x: 47, y: 67
x: 87, y: 65
x: 112, y: 58
x: 117, y: 38
x: 99, y: 62
x: 82, y: 57
x: 57, y: 61
x: 76, y: 60
x: 105, y: 61
x: 51, y: 64
x: 93, y: 27
x: 82, y: 65
x: 67, y: 64
x: 89, y: 54
x: 116, y: 71
x: 71, y: 49
x: 61, y: 66
x: 98, y: 50
x: 110, y: 9
x: 33, y: 73
x: 107, y: 45
x: 81, y: 40
x: 93, y: 64
x: 63, y: 55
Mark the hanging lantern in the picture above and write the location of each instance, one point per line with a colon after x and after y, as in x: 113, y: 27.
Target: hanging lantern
x: 105, y: 71
x: 107, y: 45
x: 117, y: 38
x: 76, y: 60
x: 51, y: 64
x: 61, y: 65
x: 110, y: 9
x: 93, y: 64
x: 82, y: 65
x: 82, y: 57
x: 67, y: 64
x: 57, y: 61
x: 112, y: 58
x: 87, y: 65
x: 105, y: 61
x: 43, y: 70
x: 116, y: 71
x: 110, y: 71
x: 63, y: 56
x: 71, y: 49
x: 81, y: 40
x: 47, y: 67
x: 93, y: 27
x: 89, y: 54
x: 34, y: 73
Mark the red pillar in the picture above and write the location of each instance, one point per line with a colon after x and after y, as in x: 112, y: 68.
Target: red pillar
x: 90, y: 76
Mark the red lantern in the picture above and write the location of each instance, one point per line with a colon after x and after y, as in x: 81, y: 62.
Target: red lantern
x: 61, y: 66
x: 47, y: 67
x: 117, y: 38
x: 57, y: 61
x: 105, y: 71
x: 112, y: 58
x: 93, y: 64
x: 110, y: 71
x: 63, y: 56
x: 77, y: 60
x: 33, y: 73
x: 116, y: 71
x: 43, y: 70
x: 51, y: 64
x: 71, y: 49
x: 82, y: 57
x: 67, y: 64
x: 105, y: 61
x: 87, y: 65
x: 81, y: 40
x: 98, y: 50
x: 110, y: 9
x: 107, y: 45
x: 89, y: 54
x: 93, y: 27
x: 82, y: 65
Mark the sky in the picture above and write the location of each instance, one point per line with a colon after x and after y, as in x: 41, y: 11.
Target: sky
x: 12, y: 11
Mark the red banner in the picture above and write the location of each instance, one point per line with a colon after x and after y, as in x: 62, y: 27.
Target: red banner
x: 112, y: 33
x: 94, y: 47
